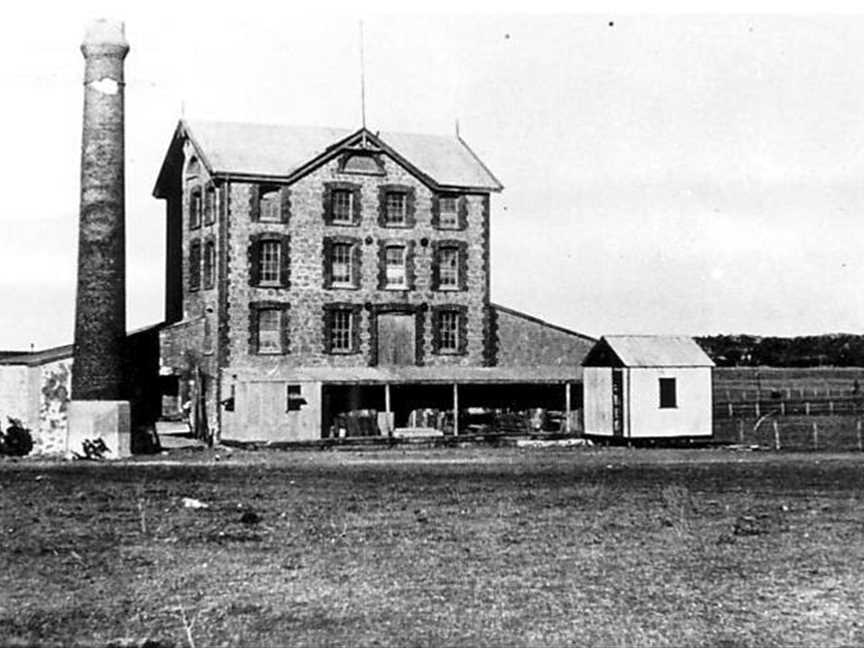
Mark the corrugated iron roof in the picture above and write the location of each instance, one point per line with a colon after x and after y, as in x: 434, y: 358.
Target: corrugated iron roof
x: 395, y: 375
x: 655, y: 351
x: 279, y: 151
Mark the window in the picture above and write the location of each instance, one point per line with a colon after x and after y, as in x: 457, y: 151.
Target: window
x: 448, y: 264
x: 448, y: 213
x: 340, y: 265
x: 208, y: 334
x: 667, y: 393
x: 270, y: 261
x: 210, y: 206
x: 294, y: 398
x: 448, y: 331
x: 270, y: 330
x: 341, y: 330
x: 209, y: 263
x: 195, y: 209
x: 195, y: 265
x: 394, y: 264
x: 270, y: 207
x: 342, y: 206
x: 395, y: 208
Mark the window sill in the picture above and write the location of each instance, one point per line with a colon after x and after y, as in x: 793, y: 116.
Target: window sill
x: 449, y: 289
x: 269, y: 284
x: 446, y: 352
x: 343, y: 286
x: 342, y: 353
x: 397, y: 225
x: 396, y: 288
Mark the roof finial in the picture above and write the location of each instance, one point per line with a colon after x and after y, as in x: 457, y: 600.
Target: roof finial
x: 362, y: 85
x: 457, y: 127
x: 182, y: 108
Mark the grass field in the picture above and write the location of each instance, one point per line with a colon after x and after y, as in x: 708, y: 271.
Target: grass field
x: 459, y: 547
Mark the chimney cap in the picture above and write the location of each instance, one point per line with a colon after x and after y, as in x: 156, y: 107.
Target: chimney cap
x: 104, y: 31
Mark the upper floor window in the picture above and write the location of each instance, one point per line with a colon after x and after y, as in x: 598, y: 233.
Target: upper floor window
x: 448, y: 212
x: 269, y: 261
x: 448, y: 331
x: 668, y: 396
x: 270, y: 204
x: 342, y: 329
x: 343, y: 206
x: 195, y: 209
x: 210, y: 205
x: 341, y: 265
x: 195, y: 265
x: 448, y: 264
x: 270, y: 330
x: 209, y: 263
x: 395, y: 208
x: 396, y: 275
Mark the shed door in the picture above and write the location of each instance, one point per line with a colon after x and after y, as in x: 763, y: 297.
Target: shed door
x: 396, y: 339
x: 617, y: 403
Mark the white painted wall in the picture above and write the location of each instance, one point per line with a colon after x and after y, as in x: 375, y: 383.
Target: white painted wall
x: 597, y: 385
x: 691, y: 417
x: 260, y: 412
x: 15, y: 396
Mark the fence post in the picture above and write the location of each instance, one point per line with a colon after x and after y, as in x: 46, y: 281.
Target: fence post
x: 782, y: 409
x: 807, y: 408
x: 860, y: 445
x: 815, y: 436
x: 741, y: 431
x: 731, y: 410
x: 757, y: 409
x: 776, y: 435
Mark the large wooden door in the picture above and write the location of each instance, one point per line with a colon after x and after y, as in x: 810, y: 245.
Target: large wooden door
x: 396, y: 339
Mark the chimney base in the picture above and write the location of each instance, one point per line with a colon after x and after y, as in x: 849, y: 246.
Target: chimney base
x: 96, y: 420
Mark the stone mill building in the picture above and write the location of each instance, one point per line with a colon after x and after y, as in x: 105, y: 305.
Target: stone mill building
x: 327, y: 282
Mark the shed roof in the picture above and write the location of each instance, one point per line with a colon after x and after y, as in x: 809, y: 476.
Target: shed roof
x: 647, y: 351
x: 280, y: 151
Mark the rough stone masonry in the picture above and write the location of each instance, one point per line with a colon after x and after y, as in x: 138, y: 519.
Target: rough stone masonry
x: 100, y: 309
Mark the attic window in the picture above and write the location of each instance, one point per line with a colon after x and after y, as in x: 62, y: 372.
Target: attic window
x: 362, y: 163
x: 193, y: 168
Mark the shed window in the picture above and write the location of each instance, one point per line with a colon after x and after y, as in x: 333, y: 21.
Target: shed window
x: 294, y: 398
x: 668, y: 397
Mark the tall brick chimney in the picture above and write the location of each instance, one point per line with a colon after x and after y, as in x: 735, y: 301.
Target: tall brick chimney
x: 100, y: 307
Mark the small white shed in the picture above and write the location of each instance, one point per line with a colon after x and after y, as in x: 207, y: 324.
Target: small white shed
x: 647, y: 387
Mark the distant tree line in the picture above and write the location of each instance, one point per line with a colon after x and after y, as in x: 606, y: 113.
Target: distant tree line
x: 836, y: 350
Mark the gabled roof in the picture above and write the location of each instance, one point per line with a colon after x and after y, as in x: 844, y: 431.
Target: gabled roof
x: 647, y: 351
x: 286, y: 153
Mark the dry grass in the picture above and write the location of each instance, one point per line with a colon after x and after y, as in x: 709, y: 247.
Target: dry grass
x: 493, y: 548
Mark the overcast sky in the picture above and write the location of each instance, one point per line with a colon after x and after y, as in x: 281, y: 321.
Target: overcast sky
x: 663, y: 174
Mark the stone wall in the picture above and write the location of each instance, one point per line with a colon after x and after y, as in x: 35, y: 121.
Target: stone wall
x: 307, y: 296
